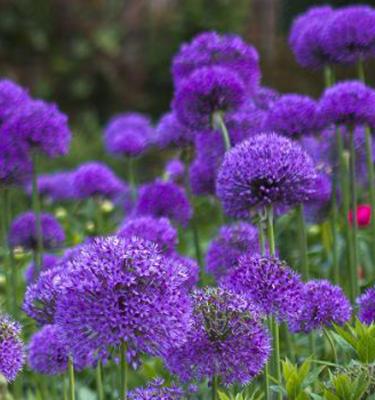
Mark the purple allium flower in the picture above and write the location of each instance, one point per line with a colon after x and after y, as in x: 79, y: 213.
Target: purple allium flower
x: 350, y: 34
x: 211, y: 49
x: 157, y: 230
x: 94, y: 178
x: 265, y: 170
x: 293, y: 115
x: 171, y: 132
x: 164, y: 199
x: 225, y: 339
x: 128, y: 134
x: 323, y: 304
x: 307, y: 37
x: 12, y: 96
x: 269, y: 284
x: 38, y: 125
x: 121, y: 290
x: 350, y: 102
x: 156, y: 391
x: 366, y: 304
x: 22, y: 231
x: 11, y: 348
x: 232, y: 242
x: 205, y: 92
x: 265, y: 97
x: 174, y: 170
x: 49, y: 261
x: 319, y: 205
x: 187, y: 266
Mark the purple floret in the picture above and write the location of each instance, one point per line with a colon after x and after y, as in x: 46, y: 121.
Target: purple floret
x: 23, y: 231
x: 366, y: 303
x: 232, y: 242
x: 12, y: 96
x: 48, y: 261
x: 174, y: 170
x: 186, y: 266
x: 156, y: 391
x: 205, y: 92
x: 225, y: 339
x: 265, y: 170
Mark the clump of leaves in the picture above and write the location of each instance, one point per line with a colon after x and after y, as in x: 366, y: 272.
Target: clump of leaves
x: 255, y: 395
x: 345, y: 387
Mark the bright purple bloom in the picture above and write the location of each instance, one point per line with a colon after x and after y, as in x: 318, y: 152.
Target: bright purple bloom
x: 175, y: 170
x: 187, y: 266
x: 211, y: 49
x: 323, y: 304
x: 157, y: 230
x: 11, y: 348
x: 128, y: 134
x: 95, y: 179
x: 366, y: 304
x: 269, y: 284
x: 232, y: 242
x: 156, y: 391
x: 23, y: 231
x: 12, y: 96
x: 265, y: 97
x: 205, y: 92
x: 350, y: 34
x: 164, y: 199
x: 225, y: 339
x: 49, y: 261
x: 265, y: 170
x: 318, y: 206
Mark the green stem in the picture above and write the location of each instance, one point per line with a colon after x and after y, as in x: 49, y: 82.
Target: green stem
x: 214, y: 388
x: 331, y: 343
x: 124, y: 372
x: 361, y: 70
x: 335, y: 225
x: 132, y: 178
x: 328, y: 76
x: 303, y: 242
x: 72, y: 391
x: 270, y: 231
x: 219, y: 121
x: 65, y: 388
x: 99, y: 381
x: 99, y: 217
x: 5, y: 247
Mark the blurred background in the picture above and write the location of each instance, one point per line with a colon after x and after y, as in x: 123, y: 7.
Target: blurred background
x: 96, y: 58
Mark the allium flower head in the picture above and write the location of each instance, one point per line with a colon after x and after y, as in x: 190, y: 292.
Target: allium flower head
x: 11, y: 348
x: 128, y: 134
x: 322, y: 305
x: 268, y: 283
x: 265, y: 97
x: 187, y: 266
x: 174, y: 170
x: 156, y: 391
x: 225, y: 339
x: 293, y: 115
x: 232, y: 242
x: 122, y: 290
x: 350, y: 103
x: 157, y: 230
x: 12, y: 96
x: 265, y: 170
x: 48, y: 261
x: 41, y: 126
x: 164, y: 199
x: 206, y: 91
x: 319, y: 204
x: 23, y: 231
x: 95, y: 179
x: 350, y: 34
x: 366, y: 304
x: 211, y: 49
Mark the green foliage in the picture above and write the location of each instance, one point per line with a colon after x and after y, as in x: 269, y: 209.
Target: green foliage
x: 345, y: 387
x: 255, y: 395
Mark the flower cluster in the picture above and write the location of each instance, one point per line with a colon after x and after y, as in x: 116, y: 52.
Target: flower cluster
x: 156, y: 390
x: 366, y: 303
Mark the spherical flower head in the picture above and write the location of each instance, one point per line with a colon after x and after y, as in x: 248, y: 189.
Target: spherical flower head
x: 363, y: 215
x: 11, y: 348
x: 23, y: 231
x: 269, y: 284
x: 40, y: 126
x: 157, y: 230
x: 232, y: 242
x: 265, y: 170
x: 348, y: 103
x: 156, y: 390
x: 323, y: 304
x: 164, y: 199
x: 186, y: 266
x: 350, y: 34
x: 12, y: 96
x: 48, y: 262
x: 225, y: 339
x: 206, y: 91
x: 293, y: 115
x: 118, y: 291
x: 366, y: 303
x: 128, y: 134
x: 174, y: 170
x: 211, y: 49
x: 95, y: 179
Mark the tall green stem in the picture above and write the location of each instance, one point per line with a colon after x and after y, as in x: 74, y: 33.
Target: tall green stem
x: 214, y: 388
x: 334, y: 225
x: 72, y: 390
x: 132, y: 178
x: 124, y: 372
x: 361, y: 71
x: 303, y: 242
x: 99, y: 380
x: 99, y: 217
x: 331, y: 343
x: 5, y: 246
x: 328, y: 76
x: 219, y: 122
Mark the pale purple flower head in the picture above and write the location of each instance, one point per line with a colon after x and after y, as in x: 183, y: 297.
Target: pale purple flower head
x: 206, y: 91
x: 211, y: 49
x: 22, y: 231
x: 12, y: 96
x: 156, y: 391
x: 350, y: 34
x: 225, y: 339
x: 293, y: 115
x: 12, y: 353
x: 157, y: 230
x: 95, y: 179
x: 269, y: 284
x: 164, y: 199
x: 322, y: 305
x: 366, y: 303
x: 121, y: 290
x: 128, y: 134
x: 351, y: 103
x: 265, y: 170
x: 48, y: 261
x: 232, y: 242
x: 174, y: 170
